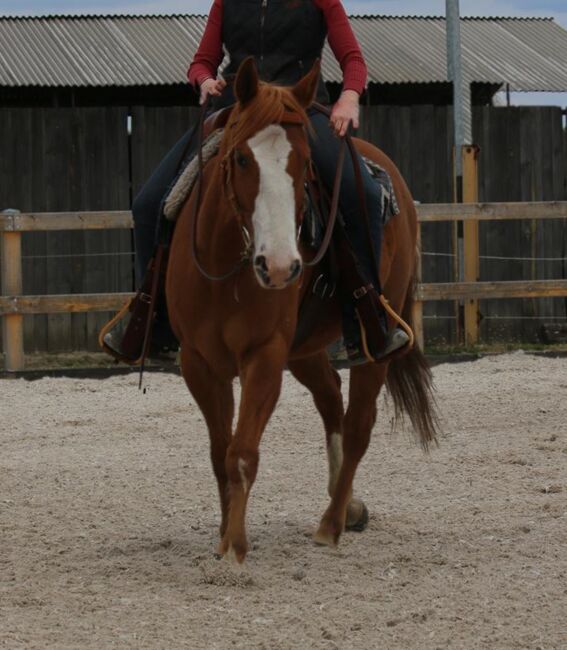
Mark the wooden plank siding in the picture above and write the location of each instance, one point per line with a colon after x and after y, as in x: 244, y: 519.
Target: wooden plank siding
x: 522, y: 159
x: 83, y: 159
x: 155, y: 130
x: 65, y: 159
x: 419, y: 139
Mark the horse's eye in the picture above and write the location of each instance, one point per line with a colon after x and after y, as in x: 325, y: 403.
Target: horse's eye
x: 241, y: 160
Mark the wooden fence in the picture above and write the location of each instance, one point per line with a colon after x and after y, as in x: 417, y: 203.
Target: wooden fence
x: 97, y: 158
x: 14, y: 305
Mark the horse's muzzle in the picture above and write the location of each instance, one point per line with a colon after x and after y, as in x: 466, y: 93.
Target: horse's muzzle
x: 273, y: 277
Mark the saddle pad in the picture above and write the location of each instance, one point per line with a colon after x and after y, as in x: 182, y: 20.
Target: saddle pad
x: 390, y: 207
x: 313, y: 230
x: 185, y: 181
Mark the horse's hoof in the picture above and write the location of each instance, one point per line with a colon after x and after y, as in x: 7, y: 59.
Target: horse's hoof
x: 222, y: 548
x: 327, y: 535
x: 357, y: 516
x: 323, y: 538
x: 234, y: 557
x: 232, y: 553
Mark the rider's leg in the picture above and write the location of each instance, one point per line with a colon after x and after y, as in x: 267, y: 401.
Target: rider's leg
x: 324, y: 151
x: 146, y: 211
x: 146, y: 208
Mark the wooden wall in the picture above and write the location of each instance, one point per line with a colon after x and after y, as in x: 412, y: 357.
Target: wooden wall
x: 419, y: 140
x: 85, y: 159
x: 58, y: 160
x: 523, y: 158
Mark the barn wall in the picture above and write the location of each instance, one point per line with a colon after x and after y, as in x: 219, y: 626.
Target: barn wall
x: 419, y: 140
x: 59, y: 160
x: 523, y: 158
x: 84, y: 159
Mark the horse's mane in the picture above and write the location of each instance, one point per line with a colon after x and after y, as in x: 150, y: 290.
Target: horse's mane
x: 268, y: 107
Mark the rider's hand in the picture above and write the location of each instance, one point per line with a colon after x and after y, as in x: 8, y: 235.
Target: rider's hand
x: 345, y: 111
x: 213, y: 87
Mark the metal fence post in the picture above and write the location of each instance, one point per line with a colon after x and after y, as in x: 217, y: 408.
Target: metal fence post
x: 12, y: 324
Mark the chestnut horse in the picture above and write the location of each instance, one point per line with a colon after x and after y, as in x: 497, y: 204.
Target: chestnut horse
x: 244, y: 326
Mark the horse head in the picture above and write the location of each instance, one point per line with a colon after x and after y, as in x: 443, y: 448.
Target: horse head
x: 265, y: 157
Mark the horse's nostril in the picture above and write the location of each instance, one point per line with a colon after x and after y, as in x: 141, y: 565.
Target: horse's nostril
x: 260, y: 263
x: 294, y: 270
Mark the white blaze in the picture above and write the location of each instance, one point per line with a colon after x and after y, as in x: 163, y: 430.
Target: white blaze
x: 274, y: 211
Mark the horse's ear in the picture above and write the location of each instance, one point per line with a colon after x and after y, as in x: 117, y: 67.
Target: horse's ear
x: 246, y: 83
x: 305, y: 90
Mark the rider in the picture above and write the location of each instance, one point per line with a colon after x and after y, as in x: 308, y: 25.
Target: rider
x: 285, y: 37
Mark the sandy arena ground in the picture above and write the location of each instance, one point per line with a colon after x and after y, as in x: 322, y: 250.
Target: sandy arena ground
x: 109, y: 515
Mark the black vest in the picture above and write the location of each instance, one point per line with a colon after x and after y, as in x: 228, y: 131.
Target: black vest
x: 285, y: 37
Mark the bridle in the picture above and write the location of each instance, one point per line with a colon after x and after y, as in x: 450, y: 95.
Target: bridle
x: 227, y: 162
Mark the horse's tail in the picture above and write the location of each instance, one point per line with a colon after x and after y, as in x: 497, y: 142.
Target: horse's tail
x: 410, y: 384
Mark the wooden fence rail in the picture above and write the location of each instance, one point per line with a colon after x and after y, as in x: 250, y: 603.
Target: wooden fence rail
x: 13, y: 305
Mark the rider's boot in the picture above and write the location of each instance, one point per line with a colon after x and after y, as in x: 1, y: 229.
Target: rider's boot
x: 143, y: 323
x: 125, y: 341
x: 377, y: 340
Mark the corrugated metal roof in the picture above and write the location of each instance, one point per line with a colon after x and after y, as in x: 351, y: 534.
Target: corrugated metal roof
x: 529, y: 54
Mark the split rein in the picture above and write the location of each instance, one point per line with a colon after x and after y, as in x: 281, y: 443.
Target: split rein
x: 246, y: 254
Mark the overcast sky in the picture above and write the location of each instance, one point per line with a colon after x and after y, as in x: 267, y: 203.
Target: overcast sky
x: 551, y: 8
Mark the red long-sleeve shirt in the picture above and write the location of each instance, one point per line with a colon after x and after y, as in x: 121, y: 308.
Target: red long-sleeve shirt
x: 339, y: 33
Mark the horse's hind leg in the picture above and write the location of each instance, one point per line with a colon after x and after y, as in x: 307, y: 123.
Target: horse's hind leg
x: 365, y: 384
x: 216, y: 401
x: 324, y: 383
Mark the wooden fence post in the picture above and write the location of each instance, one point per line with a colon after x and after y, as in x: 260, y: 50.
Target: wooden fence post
x: 12, y: 324
x: 470, y: 241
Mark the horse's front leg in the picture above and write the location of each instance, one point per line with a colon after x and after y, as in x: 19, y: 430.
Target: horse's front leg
x: 216, y: 401
x: 261, y: 378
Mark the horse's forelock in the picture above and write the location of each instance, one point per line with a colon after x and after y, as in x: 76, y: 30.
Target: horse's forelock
x: 268, y: 107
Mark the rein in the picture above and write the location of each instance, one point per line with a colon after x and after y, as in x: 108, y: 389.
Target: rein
x: 336, y: 189
x: 246, y: 254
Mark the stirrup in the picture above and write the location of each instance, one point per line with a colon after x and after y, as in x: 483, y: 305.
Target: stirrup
x: 400, y: 338
x: 110, y: 339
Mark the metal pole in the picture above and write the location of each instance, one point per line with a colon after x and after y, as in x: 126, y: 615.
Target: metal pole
x: 462, y: 127
x: 455, y: 74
